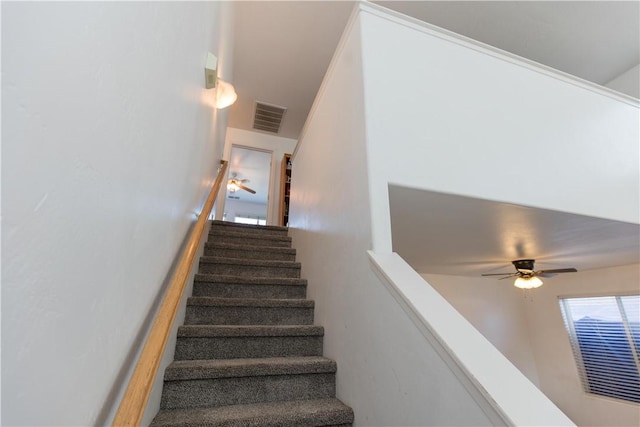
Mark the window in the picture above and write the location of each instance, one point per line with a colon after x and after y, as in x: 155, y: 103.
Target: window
x: 605, y: 336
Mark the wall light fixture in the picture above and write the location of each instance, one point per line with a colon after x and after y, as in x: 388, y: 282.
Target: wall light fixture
x: 225, y: 92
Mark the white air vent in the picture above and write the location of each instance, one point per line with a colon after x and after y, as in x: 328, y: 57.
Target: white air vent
x: 268, y: 117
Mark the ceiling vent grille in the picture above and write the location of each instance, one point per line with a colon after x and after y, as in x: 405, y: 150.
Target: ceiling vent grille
x: 268, y: 117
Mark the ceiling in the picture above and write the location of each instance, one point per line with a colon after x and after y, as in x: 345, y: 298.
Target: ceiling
x: 449, y: 234
x: 283, y: 48
x: 281, y: 51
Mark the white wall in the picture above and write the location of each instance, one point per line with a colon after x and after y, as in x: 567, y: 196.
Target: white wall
x: 499, y: 388
x: 529, y: 330
x: 447, y: 115
x: 278, y: 146
x: 554, y: 358
x: 627, y: 82
x: 235, y: 208
x: 109, y: 145
x: 451, y: 119
x: 496, y: 309
x: 387, y: 372
x: 466, y: 120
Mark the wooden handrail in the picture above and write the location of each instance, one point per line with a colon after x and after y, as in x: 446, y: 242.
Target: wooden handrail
x: 135, y: 398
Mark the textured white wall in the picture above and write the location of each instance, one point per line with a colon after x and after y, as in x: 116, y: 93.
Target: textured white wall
x: 556, y: 366
x: 459, y: 119
x: 278, y: 147
x: 109, y: 144
x: 627, y: 82
x: 387, y: 371
x: 496, y: 309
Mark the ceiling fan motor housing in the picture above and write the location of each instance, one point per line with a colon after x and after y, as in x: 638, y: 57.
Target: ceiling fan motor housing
x: 524, y: 270
x: 524, y: 264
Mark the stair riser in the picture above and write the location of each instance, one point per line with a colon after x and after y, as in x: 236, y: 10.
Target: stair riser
x: 272, y: 414
x: 247, y: 231
x: 203, y: 315
x: 245, y: 390
x: 232, y: 290
x: 188, y: 348
x: 243, y: 240
x: 248, y: 264
x: 249, y: 270
x: 249, y: 254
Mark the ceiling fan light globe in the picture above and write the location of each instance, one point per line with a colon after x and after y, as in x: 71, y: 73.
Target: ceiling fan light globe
x: 527, y: 282
x: 232, y: 187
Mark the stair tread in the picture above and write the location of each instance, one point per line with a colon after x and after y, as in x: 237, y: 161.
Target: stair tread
x: 228, y: 368
x: 208, y: 331
x: 247, y: 247
x: 220, y: 369
x: 251, y: 262
x: 299, y: 413
x: 249, y: 226
x: 221, y: 278
x: 248, y: 234
x: 250, y: 302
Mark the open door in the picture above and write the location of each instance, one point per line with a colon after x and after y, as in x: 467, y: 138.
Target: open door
x: 247, y: 196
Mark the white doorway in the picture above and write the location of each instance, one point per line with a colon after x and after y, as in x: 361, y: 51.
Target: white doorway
x: 248, y: 186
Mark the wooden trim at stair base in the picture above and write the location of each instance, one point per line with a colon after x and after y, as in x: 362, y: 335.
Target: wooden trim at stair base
x: 135, y: 398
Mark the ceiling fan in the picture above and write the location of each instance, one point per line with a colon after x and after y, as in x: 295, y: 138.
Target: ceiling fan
x: 527, y: 277
x: 236, y: 184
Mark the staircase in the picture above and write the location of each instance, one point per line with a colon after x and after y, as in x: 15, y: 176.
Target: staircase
x: 248, y: 354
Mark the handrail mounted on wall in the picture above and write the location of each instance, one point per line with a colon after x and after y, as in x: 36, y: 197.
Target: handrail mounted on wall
x: 135, y: 398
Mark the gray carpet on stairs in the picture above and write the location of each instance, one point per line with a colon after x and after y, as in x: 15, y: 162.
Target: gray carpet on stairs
x: 248, y: 311
x: 249, y: 354
x: 216, y: 285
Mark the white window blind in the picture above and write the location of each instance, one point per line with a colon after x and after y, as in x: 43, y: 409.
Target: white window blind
x: 605, y: 336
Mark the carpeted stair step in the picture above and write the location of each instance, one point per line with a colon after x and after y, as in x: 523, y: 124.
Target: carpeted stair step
x: 298, y: 413
x: 210, y: 285
x: 248, y: 311
x: 249, y: 228
x: 199, y: 342
x: 249, y: 267
x: 249, y: 354
x: 213, y: 285
x: 228, y: 250
x: 241, y: 237
x: 210, y: 383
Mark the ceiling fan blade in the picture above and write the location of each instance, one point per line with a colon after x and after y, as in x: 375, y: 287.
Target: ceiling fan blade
x: 498, y: 274
x: 557, y: 270
x: 246, y: 189
x: 239, y: 181
x: 509, y: 276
